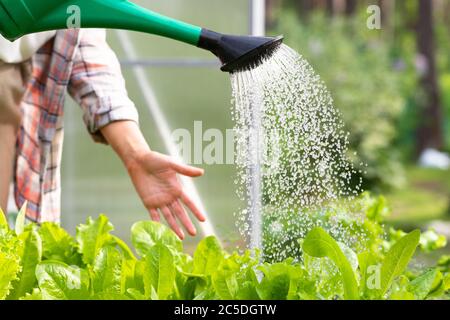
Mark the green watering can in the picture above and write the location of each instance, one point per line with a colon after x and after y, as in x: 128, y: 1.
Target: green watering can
x: 21, y: 17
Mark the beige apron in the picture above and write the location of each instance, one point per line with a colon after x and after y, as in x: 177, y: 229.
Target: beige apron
x: 13, y: 81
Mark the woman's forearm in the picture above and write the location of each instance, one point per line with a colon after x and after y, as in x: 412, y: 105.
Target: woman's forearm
x: 126, y: 139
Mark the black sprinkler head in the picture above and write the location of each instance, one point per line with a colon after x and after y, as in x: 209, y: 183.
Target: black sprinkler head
x: 238, y: 53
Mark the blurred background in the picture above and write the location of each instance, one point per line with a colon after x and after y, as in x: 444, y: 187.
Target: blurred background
x: 390, y: 81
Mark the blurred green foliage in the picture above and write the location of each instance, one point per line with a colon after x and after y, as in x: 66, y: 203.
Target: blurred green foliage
x: 368, y: 89
x: 425, y: 197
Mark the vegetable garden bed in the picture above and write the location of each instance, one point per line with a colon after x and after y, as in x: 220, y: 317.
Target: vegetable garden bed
x: 45, y: 262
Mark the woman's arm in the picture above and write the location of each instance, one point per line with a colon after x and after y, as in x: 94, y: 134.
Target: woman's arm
x: 97, y: 84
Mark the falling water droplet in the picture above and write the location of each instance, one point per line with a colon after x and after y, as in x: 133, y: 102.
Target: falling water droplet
x: 291, y: 151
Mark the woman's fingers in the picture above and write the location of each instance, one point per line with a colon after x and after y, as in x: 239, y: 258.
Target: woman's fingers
x: 178, y: 211
x: 172, y: 222
x: 154, y: 214
x: 187, y: 170
x: 191, y: 205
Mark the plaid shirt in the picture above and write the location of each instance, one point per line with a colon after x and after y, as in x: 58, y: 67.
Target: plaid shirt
x: 81, y: 63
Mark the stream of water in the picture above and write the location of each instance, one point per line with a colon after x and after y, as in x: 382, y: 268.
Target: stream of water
x: 292, y: 152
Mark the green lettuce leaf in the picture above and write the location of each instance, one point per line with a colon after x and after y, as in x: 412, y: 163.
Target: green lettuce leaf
x: 36, y: 294
x: 128, y: 254
x: 320, y: 244
x: 225, y: 282
x: 147, y: 234
x: 397, y: 259
x: 107, y: 271
x: 280, y: 282
x: 235, y: 278
x: 207, y: 256
x: 20, y: 220
x: 93, y: 236
x: 366, y: 260
x: 427, y: 284
x: 139, y: 271
x: 136, y: 294
x: 110, y: 296
x: 30, y: 256
x: 58, y: 281
x: 3, y: 221
x: 128, y: 279
x: 9, y: 266
x: 159, y: 276
x: 57, y: 244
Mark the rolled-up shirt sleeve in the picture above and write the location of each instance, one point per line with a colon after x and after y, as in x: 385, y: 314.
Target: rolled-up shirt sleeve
x: 97, y: 84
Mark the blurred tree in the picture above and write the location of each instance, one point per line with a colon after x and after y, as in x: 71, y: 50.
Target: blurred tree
x: 330, y: 7
x: 271, y: 8
x: 304, y: 7
x: 350, y: 7
x: 387, y: 10
x: 429, y: 132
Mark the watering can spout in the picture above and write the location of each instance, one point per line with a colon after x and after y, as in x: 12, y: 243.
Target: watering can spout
x: 21, y: 17
x: 238, y: 52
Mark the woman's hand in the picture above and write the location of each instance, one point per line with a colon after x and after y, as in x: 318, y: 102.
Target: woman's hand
x: 154, y: 176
